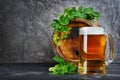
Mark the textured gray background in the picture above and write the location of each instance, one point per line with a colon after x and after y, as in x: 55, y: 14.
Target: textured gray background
x: 25, y: 35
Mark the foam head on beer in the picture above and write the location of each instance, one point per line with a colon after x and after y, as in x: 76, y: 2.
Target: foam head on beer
x: 91, y: 30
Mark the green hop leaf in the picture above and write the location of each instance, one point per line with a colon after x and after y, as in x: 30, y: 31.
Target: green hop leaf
x: 63, y: 20
x: 80, y: 9
x: 88, y: 10
x: 64, y: 67
x: 58, y: 59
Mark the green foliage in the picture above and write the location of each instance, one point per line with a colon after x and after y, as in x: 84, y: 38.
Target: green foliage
x: 60, y: 24
x: 58, y: 59
x: 63, y: 67
x: 91, y: 14
x: 56, y: 38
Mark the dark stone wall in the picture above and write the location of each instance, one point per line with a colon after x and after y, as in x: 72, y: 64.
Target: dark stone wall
x: 25, y: 35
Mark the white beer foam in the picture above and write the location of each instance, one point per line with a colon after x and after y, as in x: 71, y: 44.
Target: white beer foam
x: 91, y: 30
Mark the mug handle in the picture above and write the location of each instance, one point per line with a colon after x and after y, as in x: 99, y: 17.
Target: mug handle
x: 111, y: 49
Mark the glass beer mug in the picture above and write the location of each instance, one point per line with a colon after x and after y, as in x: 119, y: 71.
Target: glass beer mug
x: 96, y: 50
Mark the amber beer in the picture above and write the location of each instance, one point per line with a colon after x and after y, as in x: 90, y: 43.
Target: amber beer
x: 92, y: 50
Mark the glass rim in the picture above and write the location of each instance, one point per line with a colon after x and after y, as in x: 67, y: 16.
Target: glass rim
x: 91, y: 30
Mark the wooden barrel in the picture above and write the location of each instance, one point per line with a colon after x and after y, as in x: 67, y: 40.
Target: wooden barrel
x: 69, y: 48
